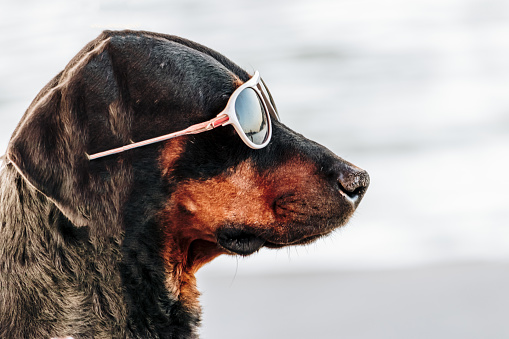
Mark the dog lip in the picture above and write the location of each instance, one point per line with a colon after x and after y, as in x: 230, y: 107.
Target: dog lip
x: 239, y: 241
x: 244, y: 242
x: 301, y: 241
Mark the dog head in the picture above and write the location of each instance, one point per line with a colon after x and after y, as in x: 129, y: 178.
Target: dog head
x: 186, y: 200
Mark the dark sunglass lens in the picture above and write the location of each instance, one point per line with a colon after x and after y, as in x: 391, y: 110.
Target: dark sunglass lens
x: 251, y: 116
x: 267, y: 94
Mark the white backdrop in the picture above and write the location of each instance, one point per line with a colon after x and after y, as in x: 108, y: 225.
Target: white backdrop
x: 415, y: 92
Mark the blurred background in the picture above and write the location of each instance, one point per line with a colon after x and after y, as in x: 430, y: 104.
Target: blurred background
x: 415, y: 92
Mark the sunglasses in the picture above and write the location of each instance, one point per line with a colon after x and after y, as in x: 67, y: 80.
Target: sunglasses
x: 249, y: 110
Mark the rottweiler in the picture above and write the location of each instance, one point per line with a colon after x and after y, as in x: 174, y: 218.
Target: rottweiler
x: 148, y: 156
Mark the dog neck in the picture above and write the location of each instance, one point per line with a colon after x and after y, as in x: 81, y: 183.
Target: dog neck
x: 157, y: 273
x: 182, y: 259
x: 156, y: 305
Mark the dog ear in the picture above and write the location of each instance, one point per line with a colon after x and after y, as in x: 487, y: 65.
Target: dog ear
x: 71, y: 115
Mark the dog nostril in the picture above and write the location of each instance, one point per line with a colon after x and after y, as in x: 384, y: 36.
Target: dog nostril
x: 353, y: 182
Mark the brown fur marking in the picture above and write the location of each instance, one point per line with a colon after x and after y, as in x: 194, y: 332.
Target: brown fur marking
x: 197, y: 208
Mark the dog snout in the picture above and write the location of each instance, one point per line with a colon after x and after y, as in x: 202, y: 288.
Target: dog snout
x: 352, y: 181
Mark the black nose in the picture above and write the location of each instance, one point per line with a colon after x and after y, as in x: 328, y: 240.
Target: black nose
x: 352, y: 181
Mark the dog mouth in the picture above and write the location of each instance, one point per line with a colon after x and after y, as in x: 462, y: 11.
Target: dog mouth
x: 301, y: 224
x: 245, y: 242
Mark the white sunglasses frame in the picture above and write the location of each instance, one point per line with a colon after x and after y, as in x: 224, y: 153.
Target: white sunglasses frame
x: 226, y: 117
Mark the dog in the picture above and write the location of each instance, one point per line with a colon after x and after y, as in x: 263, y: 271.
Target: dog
x: 108, y: 247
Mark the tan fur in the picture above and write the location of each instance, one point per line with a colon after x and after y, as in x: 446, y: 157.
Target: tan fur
x: 197, y: 208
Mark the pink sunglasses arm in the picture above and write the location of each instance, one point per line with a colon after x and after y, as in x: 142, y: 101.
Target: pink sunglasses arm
x: 220, y: 120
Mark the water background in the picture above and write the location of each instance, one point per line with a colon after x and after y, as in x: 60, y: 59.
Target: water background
x: 415, y: 92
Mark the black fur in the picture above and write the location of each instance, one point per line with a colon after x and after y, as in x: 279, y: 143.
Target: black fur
x: 80, y: 240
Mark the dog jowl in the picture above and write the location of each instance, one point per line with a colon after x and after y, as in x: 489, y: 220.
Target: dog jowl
x: 108, y: 246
